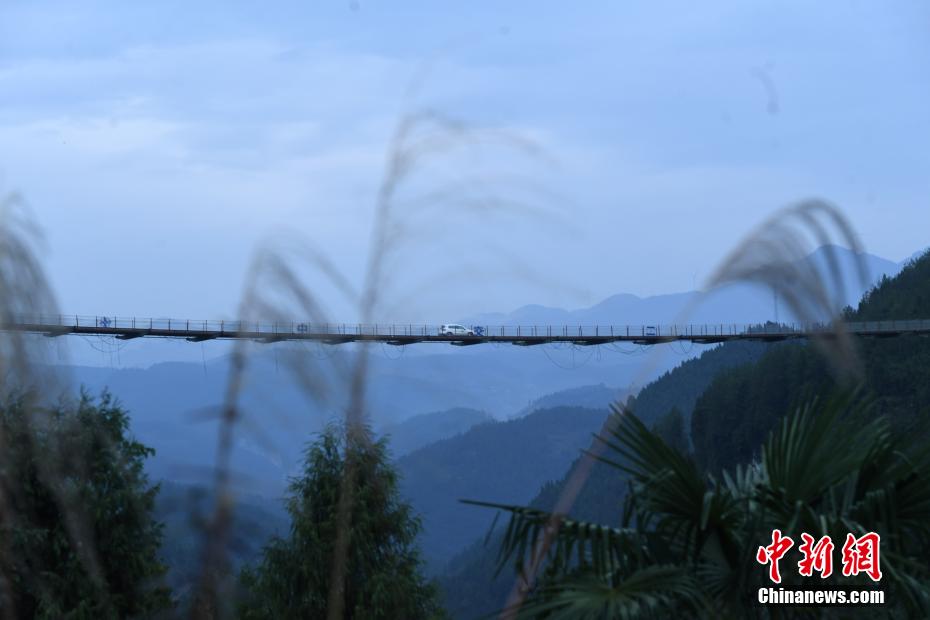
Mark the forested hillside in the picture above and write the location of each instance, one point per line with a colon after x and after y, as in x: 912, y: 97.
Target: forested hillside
x: 734, y: 395
x: 421, y: 430
x: 742, y: 405
x: 496, y: 461
x: 183, y: 510
x: 469, y: 584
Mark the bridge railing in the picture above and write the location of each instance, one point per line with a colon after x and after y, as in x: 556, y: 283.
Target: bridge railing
x: 116, y: 324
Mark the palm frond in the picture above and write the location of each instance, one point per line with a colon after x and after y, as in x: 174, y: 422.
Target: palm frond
x: 687, y: 541
x: 669, y: 483
x: 801, y: 457
x: 590, y: 546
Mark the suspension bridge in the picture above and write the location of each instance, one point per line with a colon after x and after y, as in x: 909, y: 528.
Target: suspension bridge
x: 124, y: 328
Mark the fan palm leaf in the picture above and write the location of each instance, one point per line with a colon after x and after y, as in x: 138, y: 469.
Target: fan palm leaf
x: 687, y: 542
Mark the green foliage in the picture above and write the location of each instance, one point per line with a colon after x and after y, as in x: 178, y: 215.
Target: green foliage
x: 903, y: 297
x: 681, y: 387
x: 743, y: 404
x: 292, y: 580
x: 740, y: 407
x: 671, y: 428
x: 688, y: 542
x: 77, y: 538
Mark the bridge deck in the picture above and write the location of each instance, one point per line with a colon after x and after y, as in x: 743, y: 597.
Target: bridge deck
x: 397, y: 334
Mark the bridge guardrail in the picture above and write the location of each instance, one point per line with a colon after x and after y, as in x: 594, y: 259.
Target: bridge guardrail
x: 108, y: 324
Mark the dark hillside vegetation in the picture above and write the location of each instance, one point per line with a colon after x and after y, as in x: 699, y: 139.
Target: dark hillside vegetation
x: 680, y: 387
x: 732, y: 397
x: 744, y: 402
x: 688, y: 542
x: 469, y: 584
x: 182, y: 509
x: 903, y: 297
x: 423, y: 429
x: 78, y: 536
x: 497, y: 459
x: 676, y: 391
x: 742, y: 405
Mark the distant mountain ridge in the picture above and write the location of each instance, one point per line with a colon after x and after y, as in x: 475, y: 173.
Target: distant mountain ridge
x: 590, y: 396
x: 420, y: 430
x: 742, y: 303
x: 174, y: 407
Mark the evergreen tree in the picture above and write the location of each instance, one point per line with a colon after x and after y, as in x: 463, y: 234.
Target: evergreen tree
x: 383, y: 578
x: 77, y: 538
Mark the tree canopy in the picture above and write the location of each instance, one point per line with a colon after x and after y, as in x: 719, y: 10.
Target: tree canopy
x: 77, y: 537
x: 383, y: 578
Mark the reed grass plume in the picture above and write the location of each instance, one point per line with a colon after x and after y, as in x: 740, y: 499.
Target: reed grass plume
x: 25, y: 292
x: 277, y: 289
x: 775, y: 256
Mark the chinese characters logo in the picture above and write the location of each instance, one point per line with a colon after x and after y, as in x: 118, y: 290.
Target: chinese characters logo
x: 859, y: 555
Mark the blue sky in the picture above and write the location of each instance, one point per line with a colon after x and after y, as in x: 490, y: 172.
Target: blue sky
x: 159, y: 143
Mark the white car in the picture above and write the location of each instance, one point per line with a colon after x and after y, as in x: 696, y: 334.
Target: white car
x: 455, y: 330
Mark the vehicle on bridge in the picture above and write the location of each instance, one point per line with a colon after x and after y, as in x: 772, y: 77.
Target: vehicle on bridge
x: 452, y: 329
